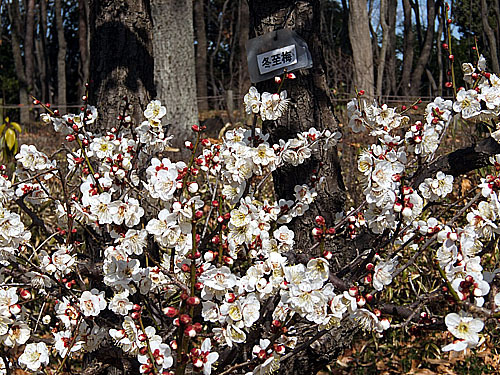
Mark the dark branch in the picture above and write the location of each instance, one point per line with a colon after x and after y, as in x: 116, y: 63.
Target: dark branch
x: 460, y: 161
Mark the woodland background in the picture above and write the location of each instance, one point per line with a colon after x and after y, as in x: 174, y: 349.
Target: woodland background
x: 393, y: 49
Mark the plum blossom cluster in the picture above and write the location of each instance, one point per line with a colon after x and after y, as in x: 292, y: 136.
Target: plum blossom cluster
x: 393, y: 203
x: 269, y: 106
x: 174, y: 261
x: 169, y: 236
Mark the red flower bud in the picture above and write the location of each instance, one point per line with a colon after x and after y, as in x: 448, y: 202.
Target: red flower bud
x: 170, y: 311
x: 185, y: 319
x: 193, y: 301
x: 320, y: 220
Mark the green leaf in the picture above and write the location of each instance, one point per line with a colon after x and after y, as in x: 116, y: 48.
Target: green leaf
x: 10, y: 138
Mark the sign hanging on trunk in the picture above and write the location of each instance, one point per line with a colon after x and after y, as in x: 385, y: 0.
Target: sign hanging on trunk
x: 269, y: 55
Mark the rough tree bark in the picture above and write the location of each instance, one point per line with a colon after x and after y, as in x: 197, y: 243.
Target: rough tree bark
x: 121, y: 65
x: 201, y: 55
x: 61, y: 58
x: 359, y: 36
x: 312, y: 106
x: 174, y: 72
x: 121, y: 58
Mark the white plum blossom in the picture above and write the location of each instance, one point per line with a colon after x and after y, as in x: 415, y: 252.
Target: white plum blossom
x: 465, y: 328
x: 382, y: 274
x: 273, y: 105
x: 120, y: 303
x: 440, y: 187
x: 35, y: 355
x: 155, y: 110
x: 92, y: 302
x: 467, y: 103
x: 252, y: 101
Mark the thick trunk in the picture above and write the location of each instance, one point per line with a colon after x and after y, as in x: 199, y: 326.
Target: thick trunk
x: 492, y: 43
x: 174, y: 67
x: 408, y: 45
x: 425, y: 52
x: 359, y: 35
x: 61, y: 59
x: 83, y: 45
x: 201, y: 55
x: 121, y: 58
x: 121, y: 65
x: 312, y: 106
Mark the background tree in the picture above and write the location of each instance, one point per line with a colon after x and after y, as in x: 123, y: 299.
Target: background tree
x: 174, y: 64
x: 121, y: 58
x: 61, y: 58
x: 201, y: 55
x: 359, y: 36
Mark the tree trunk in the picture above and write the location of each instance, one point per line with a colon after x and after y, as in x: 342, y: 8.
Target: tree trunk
x: 492, y: 43
x: 201, y: 55
x: 29, y: 60
x: 359, y: 35
x: 243, y: 77
x: 383, y: 49
x: 42, y: 52
x: 408, y: 46
x: 391, y: 67
x: 174, y: 70
x: 83, y: 45
x: 17, y: 40
x: 425, y: 52
x: 312, y: 106
x: 213, y: 84
x: 61, y: 59
x: 121, y: 58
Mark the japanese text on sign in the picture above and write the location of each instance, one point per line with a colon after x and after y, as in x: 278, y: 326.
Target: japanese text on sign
x: 276, y: 59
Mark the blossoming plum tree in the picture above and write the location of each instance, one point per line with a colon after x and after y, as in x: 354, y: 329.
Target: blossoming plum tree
x: 198, y: 260
x: 191, y: 266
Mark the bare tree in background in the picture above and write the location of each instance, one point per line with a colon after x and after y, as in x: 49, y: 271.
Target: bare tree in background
x: 359, y: 35
x: 22, y: 35
x: 61, y: 58
x: 83, y: 45
x: 201, y: 55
